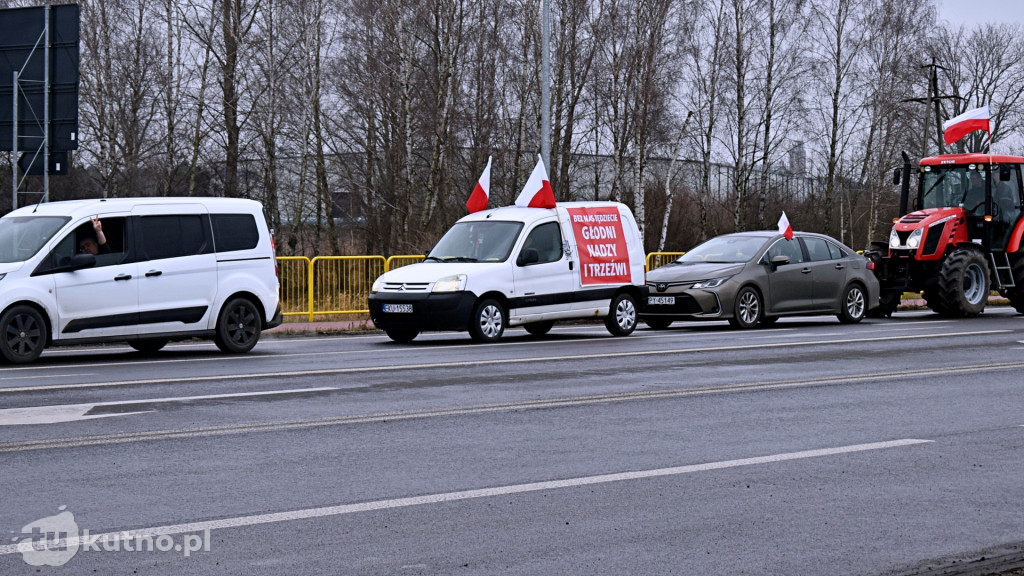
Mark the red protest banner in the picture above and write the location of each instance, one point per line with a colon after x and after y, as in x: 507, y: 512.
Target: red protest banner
x: 604, y: 257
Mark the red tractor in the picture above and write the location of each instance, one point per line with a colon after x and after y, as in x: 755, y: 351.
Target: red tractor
x: 962, y: 239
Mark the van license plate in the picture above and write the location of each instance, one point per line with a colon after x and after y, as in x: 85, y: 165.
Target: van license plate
x: 661, y: 300
x: 398, y: 308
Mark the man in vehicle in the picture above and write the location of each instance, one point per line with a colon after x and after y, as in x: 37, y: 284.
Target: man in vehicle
x: 97, y: 244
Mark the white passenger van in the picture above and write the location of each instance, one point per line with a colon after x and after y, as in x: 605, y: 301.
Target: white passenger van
x: 169, y: 269
x: 516, y: 266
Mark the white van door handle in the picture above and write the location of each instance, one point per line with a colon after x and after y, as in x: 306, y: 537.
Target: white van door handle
x: 122, y: 277
x: 152, y: 273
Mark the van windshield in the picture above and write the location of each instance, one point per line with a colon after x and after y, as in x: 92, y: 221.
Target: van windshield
x: 489, y: 241
x: 22, y: 236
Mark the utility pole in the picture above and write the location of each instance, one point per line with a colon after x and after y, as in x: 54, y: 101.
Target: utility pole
x: 932, y: 99
x: 545, y: 89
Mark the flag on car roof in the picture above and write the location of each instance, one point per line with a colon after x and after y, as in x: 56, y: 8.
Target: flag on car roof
x: 481, y: 192
x: 956, y: 128
x: 784, y: 228
x: 537, y: 193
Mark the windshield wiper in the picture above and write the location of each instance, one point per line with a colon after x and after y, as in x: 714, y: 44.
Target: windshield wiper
x: 459, y: 259
x: 433, y: 258
x: 932, y: 187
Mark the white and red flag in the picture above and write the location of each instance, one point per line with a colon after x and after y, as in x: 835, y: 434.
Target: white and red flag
x: 956, y: 128
x: 537, y: 193
x: 481, y: 192
x: 784, y: 227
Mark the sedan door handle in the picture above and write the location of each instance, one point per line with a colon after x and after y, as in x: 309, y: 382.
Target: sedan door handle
x: 840, y: 266
x: 806, y: 271
x: 152, y: 273
x: 122, y: 277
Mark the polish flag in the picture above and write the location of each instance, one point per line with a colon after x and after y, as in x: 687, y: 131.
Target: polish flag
x: 537, y: 193
x: 482, y: 192
x: 784, y: 228
x: 956, y: 128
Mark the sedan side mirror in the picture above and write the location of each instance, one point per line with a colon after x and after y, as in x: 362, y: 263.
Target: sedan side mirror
x: 780, y: 260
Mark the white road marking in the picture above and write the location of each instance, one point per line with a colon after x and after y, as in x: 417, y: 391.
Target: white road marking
x: 326, y: 511
x: 493, y: 362
x: 73, y: 412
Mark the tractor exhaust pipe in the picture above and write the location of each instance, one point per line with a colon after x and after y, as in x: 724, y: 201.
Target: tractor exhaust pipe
x: 905, y: 185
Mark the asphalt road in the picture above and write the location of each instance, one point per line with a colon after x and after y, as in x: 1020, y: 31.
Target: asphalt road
x: 889, y: 447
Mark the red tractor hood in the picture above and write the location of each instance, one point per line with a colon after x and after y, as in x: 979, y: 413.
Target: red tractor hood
x: 925, y: 218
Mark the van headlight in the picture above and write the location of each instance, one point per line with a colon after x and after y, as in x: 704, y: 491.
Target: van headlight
x: 713, y: 283
x: 375, y: 287
x: 451, y: 284
x: 915, y: 238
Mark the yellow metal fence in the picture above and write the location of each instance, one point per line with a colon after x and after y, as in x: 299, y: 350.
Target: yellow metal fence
x: 331, y: 285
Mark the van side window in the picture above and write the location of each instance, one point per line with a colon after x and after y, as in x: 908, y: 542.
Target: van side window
x: 171, y: 236
x: 234, y: 232
x: 546, y: 239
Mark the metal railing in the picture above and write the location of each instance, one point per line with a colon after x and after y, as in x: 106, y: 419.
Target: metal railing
x: 334, y: 285
x: 659, y: 259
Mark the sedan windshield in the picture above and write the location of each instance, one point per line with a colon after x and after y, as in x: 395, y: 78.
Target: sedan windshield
x: 488, y: 241
x: 22, y: 236
x: 725, y: 249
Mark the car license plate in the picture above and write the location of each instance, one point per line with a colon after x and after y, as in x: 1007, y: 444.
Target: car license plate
x: 661, y: 300
x: 398, y: 308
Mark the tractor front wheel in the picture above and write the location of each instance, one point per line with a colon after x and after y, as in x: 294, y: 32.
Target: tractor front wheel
x: 963, y: 286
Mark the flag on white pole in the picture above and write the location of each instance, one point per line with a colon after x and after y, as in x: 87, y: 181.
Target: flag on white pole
x: 481, y: 192
x: 537, y: 193
x: 784, y: 228
x: 956, y: 128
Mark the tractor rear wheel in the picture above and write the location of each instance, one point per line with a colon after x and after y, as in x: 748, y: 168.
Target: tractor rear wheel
x: 963, y: 286
x: 1016, y: 295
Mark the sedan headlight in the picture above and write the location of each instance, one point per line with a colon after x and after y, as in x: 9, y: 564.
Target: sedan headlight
x: 915, y: 238
x: 451, y: 284
x: 713, y: 283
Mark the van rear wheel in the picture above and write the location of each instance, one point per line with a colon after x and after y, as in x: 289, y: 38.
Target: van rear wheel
x: 238, y: 328
x: 23, y: 334
x: 621, y: 319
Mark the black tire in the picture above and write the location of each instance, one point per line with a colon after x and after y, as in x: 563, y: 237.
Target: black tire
x: 658, y: 323
x: 148, y: 345
x: 402, y: 335
x: 23, y: 334
x: 932, y: 299
x: 238, y: 327
x: 768, y: 321
x: 539, y: 328
x: 854, y: 304
x: 488, y: 321
x: 963, y: 286
x: 621, y: 318
x: 887, y: 304
x: 748, y: 308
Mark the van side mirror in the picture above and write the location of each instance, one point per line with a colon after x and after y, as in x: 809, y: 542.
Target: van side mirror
x: 780, y: 260
x: 528, y: 256
x: 82, y: 260
x: 896, y: 176
x: 1004, y: 173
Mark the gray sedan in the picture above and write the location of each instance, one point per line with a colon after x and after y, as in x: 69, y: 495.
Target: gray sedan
x: 753, y: 278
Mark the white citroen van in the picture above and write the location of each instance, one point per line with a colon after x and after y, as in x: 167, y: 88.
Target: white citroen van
x: 516, y: 266
x: 150, y: 270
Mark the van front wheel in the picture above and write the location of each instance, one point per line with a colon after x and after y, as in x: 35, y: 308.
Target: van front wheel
x: 23, y: 334
x: 621, y: 319
x: 238, y: 328
x: 488, y: 321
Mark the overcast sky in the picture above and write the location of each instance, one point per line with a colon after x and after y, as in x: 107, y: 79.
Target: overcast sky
x: 973, y: 12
